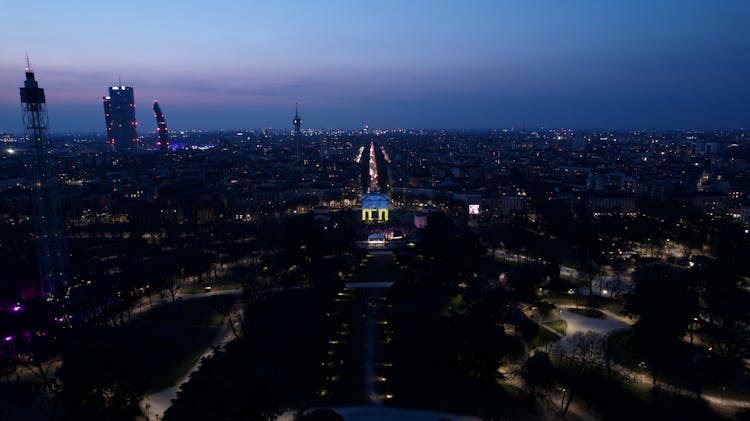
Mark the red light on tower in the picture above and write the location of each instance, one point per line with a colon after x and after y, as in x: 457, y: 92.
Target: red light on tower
x: 161, y: 127
x: 119, y: 109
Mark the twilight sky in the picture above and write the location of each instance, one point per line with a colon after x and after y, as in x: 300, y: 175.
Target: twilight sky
x: 388, y: 63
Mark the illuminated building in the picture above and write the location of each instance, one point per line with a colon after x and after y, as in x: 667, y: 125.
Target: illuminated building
x: 374, y: 203
x: 376, y: 240
x: 161, y: 128
x: 119, y: 114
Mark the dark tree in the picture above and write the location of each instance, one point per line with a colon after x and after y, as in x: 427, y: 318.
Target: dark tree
x: 589, y: 253
x: 584, y: 353
x: 526, y: 281
x: 537, y: 372
x: 666, y: 302
x: 449, y: 252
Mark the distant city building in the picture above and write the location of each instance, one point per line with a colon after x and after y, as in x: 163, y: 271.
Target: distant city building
x: 119, y: 114
x: 161, y: 128
x: 376, y: 239
x: 506, y: 203
x: 376, y: 204
x: 605, y: 204
x: 745, y: 215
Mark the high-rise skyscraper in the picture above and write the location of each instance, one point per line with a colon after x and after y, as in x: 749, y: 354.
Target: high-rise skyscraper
x: 119, y: 113
x: 52, y: 250
x: 161, y: 128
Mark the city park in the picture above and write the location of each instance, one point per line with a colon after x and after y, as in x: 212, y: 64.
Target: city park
x: 440, y: 317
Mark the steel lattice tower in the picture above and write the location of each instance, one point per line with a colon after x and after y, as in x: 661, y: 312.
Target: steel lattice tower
x: 52, y: 250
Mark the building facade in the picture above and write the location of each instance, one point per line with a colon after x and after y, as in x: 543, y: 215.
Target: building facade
x: 119, y: 115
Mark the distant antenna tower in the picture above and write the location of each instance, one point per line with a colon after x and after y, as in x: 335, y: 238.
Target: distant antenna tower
x: 52, y: 250
x: 297, y: 122
x: 161, y: 128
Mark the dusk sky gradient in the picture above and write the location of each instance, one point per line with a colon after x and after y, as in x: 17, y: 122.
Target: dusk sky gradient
x: 417, y: 64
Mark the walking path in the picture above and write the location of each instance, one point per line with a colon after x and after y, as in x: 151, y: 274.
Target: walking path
x: 369, y: 364
x: 371, y: 301
x: 156, y: 404
x: 377, y: 413
x: 579, y: 323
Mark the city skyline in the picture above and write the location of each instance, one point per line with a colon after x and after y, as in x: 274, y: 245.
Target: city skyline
x: 419, y: 65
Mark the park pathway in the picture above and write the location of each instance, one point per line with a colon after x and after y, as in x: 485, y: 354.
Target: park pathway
x: 156, y: 404
x: 353, y: 377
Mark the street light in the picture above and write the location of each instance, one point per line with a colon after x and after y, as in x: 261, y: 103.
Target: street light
x: 562, y: 400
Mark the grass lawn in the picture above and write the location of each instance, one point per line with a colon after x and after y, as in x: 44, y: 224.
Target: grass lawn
x: 164, y: 343
x: 534, y: 336
x: 278, y: 363
x: 377, y: 268
x: 558, y: 326
x: 588, y: 312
